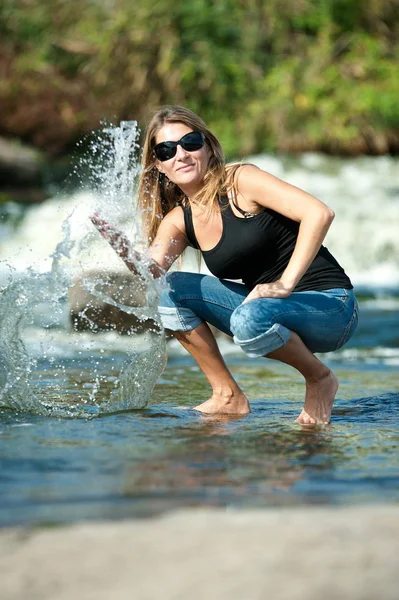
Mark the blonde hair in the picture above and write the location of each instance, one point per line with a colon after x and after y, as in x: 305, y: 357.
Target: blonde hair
x: 157, y: 195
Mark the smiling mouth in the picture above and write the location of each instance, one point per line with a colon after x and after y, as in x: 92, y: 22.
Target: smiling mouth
x: 184, y: 167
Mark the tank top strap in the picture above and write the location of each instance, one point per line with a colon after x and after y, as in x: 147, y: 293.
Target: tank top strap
x: 188, y: 223
x: 245, y: 213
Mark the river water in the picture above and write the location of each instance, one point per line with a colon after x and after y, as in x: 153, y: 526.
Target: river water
x: 94, y: 426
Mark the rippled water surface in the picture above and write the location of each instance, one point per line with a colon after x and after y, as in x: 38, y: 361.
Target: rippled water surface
x: 166, y: 456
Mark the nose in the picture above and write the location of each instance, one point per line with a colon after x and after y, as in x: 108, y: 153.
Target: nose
x: 180, y: 151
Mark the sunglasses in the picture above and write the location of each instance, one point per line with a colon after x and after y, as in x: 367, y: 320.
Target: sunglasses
x: 190, y: 143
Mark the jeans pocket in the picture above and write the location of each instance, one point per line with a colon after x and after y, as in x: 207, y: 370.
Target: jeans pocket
x: 350, y: 328
x: 338, y: 293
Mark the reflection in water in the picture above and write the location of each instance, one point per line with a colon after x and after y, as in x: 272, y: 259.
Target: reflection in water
x: 242, y: 461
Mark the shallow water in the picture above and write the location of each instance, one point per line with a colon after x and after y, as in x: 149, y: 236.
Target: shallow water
x: 166, y: 456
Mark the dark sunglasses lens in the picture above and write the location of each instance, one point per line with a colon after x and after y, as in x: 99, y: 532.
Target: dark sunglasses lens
x: 192, y: 141
x: 165, y: 151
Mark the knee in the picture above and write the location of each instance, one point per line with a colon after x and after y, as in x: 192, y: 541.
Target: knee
x: 181, y: 283
x: 175, y: 313
x: 174, y: 280
x: 245, y: 323
x: 256, y: 331
x: 170, y: 295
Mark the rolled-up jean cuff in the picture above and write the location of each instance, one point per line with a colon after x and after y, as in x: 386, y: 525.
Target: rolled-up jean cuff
x: 182, y: 319
x: 263, y: 344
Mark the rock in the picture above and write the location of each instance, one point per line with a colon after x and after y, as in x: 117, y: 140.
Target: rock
x: 19, y: 165
x: 91, y: 312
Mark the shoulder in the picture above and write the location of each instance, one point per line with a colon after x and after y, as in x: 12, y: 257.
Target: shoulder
x: 255, y: 184
x: 246, y: 172
x: 247, y: 183
x: 260, y: 188
x: 243, y: 176
x: 174, y: 218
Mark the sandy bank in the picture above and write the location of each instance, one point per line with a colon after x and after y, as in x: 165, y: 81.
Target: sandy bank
x: 277, y: 554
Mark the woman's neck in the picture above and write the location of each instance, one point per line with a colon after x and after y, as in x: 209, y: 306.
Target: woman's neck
x: 191, y: 193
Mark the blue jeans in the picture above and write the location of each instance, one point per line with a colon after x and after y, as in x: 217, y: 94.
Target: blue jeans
x: 323, y: 320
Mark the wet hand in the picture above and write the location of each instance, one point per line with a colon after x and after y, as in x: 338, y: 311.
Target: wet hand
x: 114, y: 237
x: 276, y: 289
x: 105, y: 228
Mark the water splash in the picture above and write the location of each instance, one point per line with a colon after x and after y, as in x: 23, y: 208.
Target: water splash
x: 45, y: 366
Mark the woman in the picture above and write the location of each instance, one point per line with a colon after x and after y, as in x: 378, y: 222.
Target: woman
x: 295, y: 299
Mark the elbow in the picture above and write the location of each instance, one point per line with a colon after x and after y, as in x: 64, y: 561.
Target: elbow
x: 328, y: 216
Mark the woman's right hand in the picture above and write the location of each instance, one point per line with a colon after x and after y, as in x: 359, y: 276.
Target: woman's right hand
x: 114, y: 237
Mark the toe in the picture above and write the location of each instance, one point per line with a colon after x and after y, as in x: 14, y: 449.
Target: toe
x: 306, y: 419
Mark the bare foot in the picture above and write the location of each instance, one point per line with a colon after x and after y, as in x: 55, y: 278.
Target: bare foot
x: 319, y: 400
x: 233, y: 404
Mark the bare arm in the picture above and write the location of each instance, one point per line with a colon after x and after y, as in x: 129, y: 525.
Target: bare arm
x: 170, y: 240
x: 258, y: 188
x: 167, y: 246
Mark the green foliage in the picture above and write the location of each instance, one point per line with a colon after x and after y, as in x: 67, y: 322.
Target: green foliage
x: 285, y: 75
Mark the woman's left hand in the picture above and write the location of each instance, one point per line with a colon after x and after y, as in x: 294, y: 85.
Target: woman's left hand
x: 276, y: 289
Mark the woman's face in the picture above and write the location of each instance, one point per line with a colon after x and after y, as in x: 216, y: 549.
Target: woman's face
x: 185, y: 169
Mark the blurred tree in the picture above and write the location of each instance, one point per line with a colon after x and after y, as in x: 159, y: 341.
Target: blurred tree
x: 288, y: 75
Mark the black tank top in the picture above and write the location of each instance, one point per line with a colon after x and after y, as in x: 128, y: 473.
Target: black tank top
x: 257, y: 250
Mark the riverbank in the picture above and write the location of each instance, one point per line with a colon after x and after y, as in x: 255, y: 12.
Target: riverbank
x: 284, y: 554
